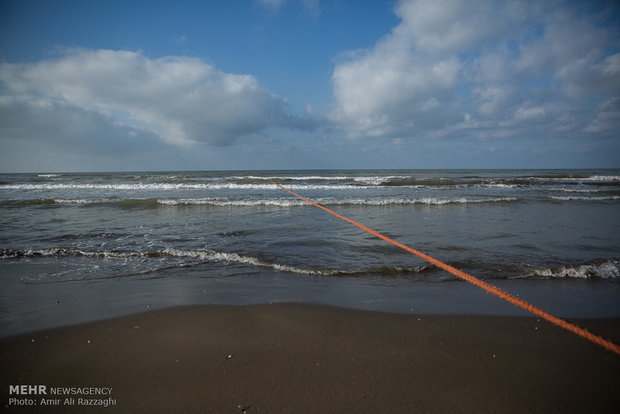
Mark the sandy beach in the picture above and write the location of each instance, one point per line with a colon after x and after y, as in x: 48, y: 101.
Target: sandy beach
x: 300, y: 358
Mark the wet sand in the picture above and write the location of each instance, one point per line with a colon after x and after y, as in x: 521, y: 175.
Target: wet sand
x: 299, y: 358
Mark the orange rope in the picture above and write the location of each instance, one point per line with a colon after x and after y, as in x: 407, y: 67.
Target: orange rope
x: 484, y: 285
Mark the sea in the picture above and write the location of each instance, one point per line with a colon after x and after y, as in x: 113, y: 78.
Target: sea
x: 76, y: 247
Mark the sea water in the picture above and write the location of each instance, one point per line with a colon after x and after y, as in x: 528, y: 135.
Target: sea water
x: 97, y: 244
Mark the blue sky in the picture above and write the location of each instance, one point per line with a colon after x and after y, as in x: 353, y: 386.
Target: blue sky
x: 288, y: 84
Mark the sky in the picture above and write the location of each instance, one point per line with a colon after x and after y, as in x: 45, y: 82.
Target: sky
x: 117, y: 85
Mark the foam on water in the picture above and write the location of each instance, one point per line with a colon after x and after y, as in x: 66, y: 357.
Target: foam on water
x: 172, y: 187
x: 609, y: 269
x: 533, y: 215
x: 290, y: 202
x: 597, y: 269
x: 257, y: 202
x: 88, y: 241
x: 583, y: 198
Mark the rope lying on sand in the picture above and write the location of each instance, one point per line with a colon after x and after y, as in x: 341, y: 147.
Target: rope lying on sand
x: 474, y: 280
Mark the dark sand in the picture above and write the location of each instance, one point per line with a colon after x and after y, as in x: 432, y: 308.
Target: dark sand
x: 291, y: 358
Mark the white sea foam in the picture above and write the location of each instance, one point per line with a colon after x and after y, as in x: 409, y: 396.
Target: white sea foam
x: 427, y: 201
x: 378, y: 180
x: 595, y: 178
x: 200, y: 255
x: 291, y: 177
x: 213, y: 256
x: 577, y: 190
x: 63, y: 251
x: 292, y: 202
x: 603, y: 178
x: 83, y: 201
x: 605, y: 270
x: 582, y: 198
x: 224, y: 202
x: 285, y: 202
x: 370, y: 180
x: 173, y: 186
x: 498, y: 185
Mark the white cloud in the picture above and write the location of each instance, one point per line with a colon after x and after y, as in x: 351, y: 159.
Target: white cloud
x: 179, y: 99
x: 454, y: 25
x: 608, y: 119
x: 506, y: 65
x: 411, y: 70
x: 492, y: 99
x: 382, y: 86
x: 529, y: 113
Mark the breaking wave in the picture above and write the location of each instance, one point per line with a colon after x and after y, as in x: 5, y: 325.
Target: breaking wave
x: 290, y: 202
x: 174, y: 186
x: 195, y: 256
x: 584, y: 198
x: 254, y: 202
x: 309, y: 182
x: 598, y: 269
x: 365, y: 180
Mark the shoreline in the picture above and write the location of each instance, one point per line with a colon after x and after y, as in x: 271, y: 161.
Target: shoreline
x: 293, y: 357
x: 33, y: 307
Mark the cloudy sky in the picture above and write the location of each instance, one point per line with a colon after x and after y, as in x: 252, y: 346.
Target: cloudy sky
x: 93, y: 85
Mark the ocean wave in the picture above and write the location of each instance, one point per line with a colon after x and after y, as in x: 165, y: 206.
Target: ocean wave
x: 225, y: 202
x: 291, y: 178
x: 173, y: 186
x: 583, y: 179
x: 497, y: 185
x: 67, y: 251
x: 553, y: 180
x: 609, y: 178
x: 247, y: 183
x: 595, y: 269
x: 580, y: 190
x: 213, y: 256
x: 583, y: 198
x: 412, y: 181
x: 378, y: 180
x: 598, y: 269
x: 341, y: 182
x: 571, y: 177
x: 368, y: 180
x: 201, y: 256
x: 124, y: 203
x: 288, y: 202
x: 194, y: 255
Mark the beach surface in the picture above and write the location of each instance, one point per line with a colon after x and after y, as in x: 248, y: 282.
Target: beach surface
x: 301, y: 358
